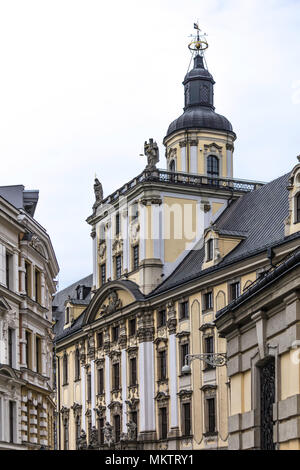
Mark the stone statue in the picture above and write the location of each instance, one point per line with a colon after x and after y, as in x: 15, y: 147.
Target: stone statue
x: 108, y: 434
x: 131, y: 431
x: 93, y: 444
x: 98, y: 190
x: 81, y: 441
x: 152, y: 153
x: 114, y: 303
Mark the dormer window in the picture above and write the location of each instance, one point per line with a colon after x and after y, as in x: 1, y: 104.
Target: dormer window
x: 67, y: 315
x: 210, y: 250
x: 118, y: 224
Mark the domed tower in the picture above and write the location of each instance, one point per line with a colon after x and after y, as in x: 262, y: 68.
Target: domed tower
x: 200, y: 141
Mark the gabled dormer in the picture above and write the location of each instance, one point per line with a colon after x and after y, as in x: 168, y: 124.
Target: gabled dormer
x: 292, y: 223
x: 218, y: 244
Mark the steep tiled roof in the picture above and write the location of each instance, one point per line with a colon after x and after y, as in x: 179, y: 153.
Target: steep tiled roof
x: 258, y: 217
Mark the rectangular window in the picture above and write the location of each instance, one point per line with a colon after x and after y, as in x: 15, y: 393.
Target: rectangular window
x: 67, y: 315
x: 298, y: 209
x: 184, y: 311
x: 10, y: 346
x: 28, y: 279
x: 100, y: 381
x: 9, y: 260
x: 116, y: 376
x: 186, y: 411
x: 210, y: 250
x: 117, y: 426
x: 211, y: 415
x: 11, y: 418
x: 37, y: 285
x: 101, y: 430
x: 136, y: 261
x: 209, y: 349
x: 208, y: 301
x: 235, y: 290
x: 118, y: 266
x: 115, y: 334
x: 134, y: 419
x: 162, y: 361
x: 184, y: 353
x: 135, y: 211
x: 163, y: 423
x: 161, y: 318
x: 133, y: 375
x: 118, y: 225
x: 28, y: 350
x: 103, y: 274
x: 89, y: 387
x: 100, y: 340
x: 38, y: 354
x: 132, y: 327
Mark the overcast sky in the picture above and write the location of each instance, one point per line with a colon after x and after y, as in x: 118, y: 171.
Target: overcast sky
x: 84, y: 83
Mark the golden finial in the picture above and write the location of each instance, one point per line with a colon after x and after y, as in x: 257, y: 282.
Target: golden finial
x: 199, y: 42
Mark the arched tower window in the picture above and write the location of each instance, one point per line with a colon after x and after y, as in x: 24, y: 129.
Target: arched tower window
x: 213, y: 166
x: 173, y: 166
x: 77, y: 364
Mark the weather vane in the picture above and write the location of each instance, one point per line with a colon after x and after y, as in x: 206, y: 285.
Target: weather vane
x: 199, y: 42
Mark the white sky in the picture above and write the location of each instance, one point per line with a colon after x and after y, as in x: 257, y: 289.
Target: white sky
x: 84, y: 83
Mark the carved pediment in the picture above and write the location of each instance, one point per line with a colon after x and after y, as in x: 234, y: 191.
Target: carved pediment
x: 113, y: 303
x: 4, y: 306
x: 39, y: 246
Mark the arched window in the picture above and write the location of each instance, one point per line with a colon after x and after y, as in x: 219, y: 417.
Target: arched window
x: 298, y: 208
x: 213, y: 167
x: 173, y: 166
x: 65, y: 369
x: 77, y: 364
x: 66, y: 434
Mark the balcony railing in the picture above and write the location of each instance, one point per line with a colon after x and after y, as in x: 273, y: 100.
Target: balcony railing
x: 184, y: 179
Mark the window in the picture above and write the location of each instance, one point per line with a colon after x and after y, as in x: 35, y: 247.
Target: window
x: 173, y: 166
x: 132, y: 327
x: 9, y: 260
x: 116, y: 376
x: 77, y: 425
x: 136, y: 257
x: 115, y: 334
x: 210, y: 250
x: 103, y: 274
x: 38, y: 354
x: 184, y: 311
x: 208, y: 301
x: 184, y: 353
x: 65, y: 369
x: 100, y: 340
x: 162, y: 365
x: 234, y: 290
x: 163, y: 423
x: 133, y: 371
x: 186, y: 419
x: 135, y: 211
x: 211, y: 423
x: 102, y: 233
x: 134, y: 419
x: 118, y: 223
x: 117, y: 426
x: 213, y: 168
x: 67, y: 315
x: 28, y: 350
x: 161, y: 318
x: 118, y: 266
x: 77, y: 364
x: 10, y: 346
x: 37, y: 285
x: 209, y: 348
x: 298, y: 208
x: 11, y: 421
x: 66, y: 434
x: 100, y: 381
x: 89, y: 387
x: 28, y: 279
x: 101, y: 430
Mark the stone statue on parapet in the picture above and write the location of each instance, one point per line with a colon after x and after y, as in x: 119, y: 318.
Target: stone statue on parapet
x: 93, y: 444
x: 108, y: 434
x: 131, y: 426
x: 81, y: 441
x: 98, y: 190
x: 151, y: 151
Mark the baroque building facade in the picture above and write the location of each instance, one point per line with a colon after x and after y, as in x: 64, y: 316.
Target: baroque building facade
x: 171, y: 248
x: 28, y: 267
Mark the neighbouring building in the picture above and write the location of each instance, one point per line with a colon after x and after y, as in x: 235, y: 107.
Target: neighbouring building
x: 171, y: 248
x: 28, y: 268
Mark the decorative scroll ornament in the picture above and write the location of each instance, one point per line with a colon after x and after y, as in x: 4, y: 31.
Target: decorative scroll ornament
x: 214, y: 360
x: 114, y: 303
x: 108, y: 434
x: 81, y: 441
x: 94, y: 444
x: 151, y: 151
x: 102, y: 250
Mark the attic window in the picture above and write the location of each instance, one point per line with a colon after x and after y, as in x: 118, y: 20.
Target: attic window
x: 210, y: 250
x: 67, y: 318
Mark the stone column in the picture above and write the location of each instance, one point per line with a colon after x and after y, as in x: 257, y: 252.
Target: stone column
x: 123, y: 344
x: 109, y: 266
x: 95, y: 257
x: 172, y: 324
x: 22, y: 272
x: 93, y: 392
x: 184, y: 166
x: 194, y: 156
x: 146, y: 375
x: 16, y: 271
x: 43, y: 289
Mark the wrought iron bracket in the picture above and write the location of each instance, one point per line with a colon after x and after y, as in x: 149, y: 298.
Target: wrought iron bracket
x: 215, y: 360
